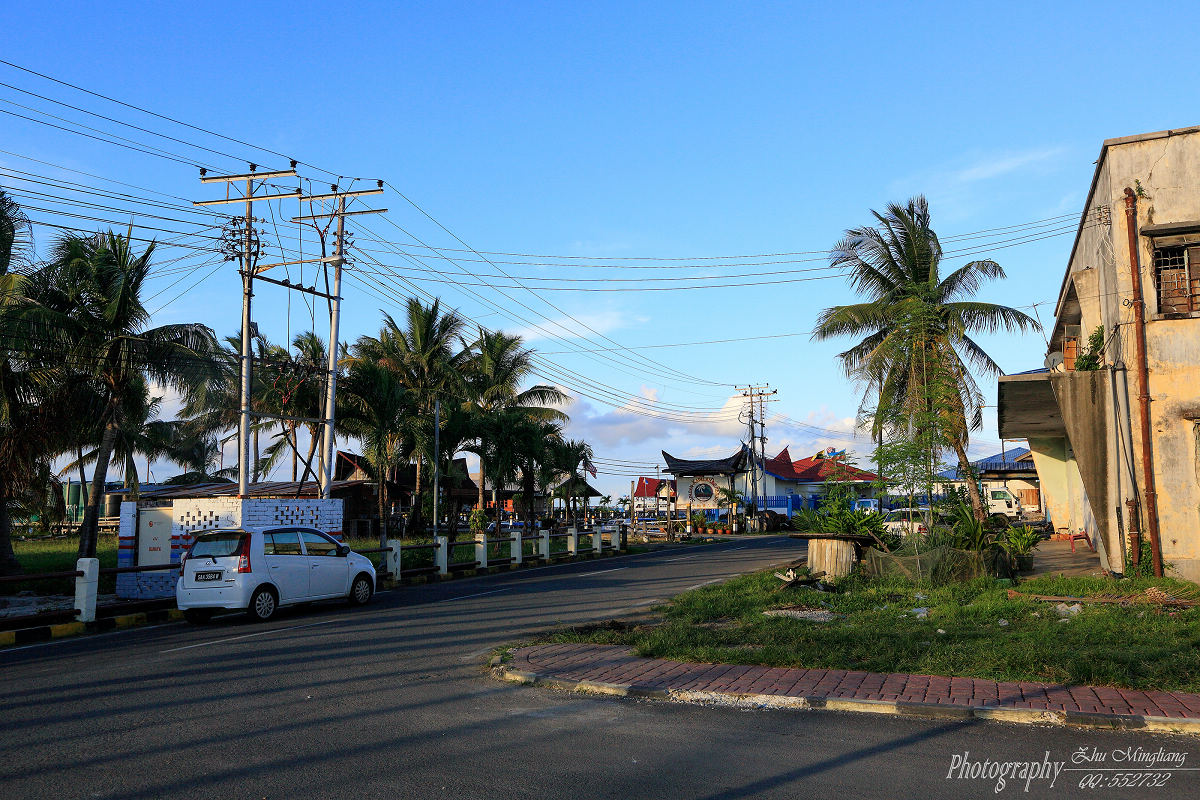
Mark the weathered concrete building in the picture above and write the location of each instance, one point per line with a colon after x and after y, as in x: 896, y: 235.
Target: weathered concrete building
x: 1099, y: 470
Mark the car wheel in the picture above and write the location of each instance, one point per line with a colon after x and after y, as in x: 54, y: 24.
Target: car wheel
x: 198, y: 616
x: 263, y: 604
x: 361, y: 590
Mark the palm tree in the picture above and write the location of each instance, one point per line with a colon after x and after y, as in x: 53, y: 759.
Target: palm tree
x: 732, y: 498
x: 424, y: 354
x: 498, y: 366
x: 917, y: 328
x: 16, y: 235
x: 378, y: 411
x: 100, y: 279
x: 570, y: 456
x: 138, y: 433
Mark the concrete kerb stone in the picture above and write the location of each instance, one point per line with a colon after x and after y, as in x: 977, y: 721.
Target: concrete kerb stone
x: 44, y: 633
x: 891, y: 707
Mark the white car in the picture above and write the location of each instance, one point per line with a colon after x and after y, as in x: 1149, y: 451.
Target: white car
x: 257, y: 570
x: 909, y: 521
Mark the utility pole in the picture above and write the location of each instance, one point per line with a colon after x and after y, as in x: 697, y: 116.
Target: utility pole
x: 327, y: 448
x: 242, y: 244
x: 758, y: 437
x: 437, y: 460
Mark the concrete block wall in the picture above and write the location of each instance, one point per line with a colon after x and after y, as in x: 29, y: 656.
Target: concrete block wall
x: 196, y: 515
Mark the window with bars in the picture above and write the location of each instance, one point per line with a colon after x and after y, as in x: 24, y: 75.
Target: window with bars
x: 1177, y: 278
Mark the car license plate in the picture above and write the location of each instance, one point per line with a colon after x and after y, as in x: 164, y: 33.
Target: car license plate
x: 208, y: 576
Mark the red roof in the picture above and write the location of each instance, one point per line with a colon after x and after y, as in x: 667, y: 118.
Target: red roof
x: 648, y: 487
x: 811, y: 470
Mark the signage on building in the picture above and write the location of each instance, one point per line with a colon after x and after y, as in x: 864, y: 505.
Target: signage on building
x: 702, y: 490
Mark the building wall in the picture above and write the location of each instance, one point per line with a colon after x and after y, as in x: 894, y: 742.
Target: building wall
x: 195, y: 515
x: 1098, y: 283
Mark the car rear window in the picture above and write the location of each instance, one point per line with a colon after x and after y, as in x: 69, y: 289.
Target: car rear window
x: 218, y: 544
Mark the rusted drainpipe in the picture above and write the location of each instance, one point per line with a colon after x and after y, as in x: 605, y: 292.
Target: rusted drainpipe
x: 1143, y: 371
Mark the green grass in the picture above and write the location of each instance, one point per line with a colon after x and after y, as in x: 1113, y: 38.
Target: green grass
x: 59, y: 555
x: 1137, y: 646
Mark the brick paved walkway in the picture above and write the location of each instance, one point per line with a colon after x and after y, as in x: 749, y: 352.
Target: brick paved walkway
x: 614, y: 667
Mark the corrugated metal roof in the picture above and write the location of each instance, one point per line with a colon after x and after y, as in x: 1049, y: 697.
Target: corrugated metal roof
x: 264, y: 489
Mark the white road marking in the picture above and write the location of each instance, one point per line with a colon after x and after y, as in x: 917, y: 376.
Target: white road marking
x: 600, y: 572
x: 706, y: 583
x: 683, y: 558
x: 465, y: 596
x: 248, y: 635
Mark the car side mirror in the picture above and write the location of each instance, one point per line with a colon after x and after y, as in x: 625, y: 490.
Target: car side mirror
x: 343, y: 550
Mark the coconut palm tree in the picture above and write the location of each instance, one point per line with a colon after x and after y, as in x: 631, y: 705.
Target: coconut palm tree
x: 917, y: 349
x: 498, y: 366
x: 570, y: 456
x: 732, y: 498
x: 378, y: 412
x: 424, y: 351
x: 139, y: 433
x: 99, y: 281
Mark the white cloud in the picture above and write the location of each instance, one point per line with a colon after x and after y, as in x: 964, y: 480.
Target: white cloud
x: 995, y: 166
x: 577, y: 326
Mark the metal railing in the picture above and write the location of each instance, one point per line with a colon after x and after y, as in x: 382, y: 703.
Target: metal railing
x: 88, y: 571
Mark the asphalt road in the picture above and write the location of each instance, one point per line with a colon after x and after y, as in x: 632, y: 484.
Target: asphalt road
x: 393, y: 701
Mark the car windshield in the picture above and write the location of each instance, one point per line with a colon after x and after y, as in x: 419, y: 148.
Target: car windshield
x: 218, y: 544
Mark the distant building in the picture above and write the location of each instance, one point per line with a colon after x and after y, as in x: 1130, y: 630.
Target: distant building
x: 1011, y: 468
x: 784, y: 485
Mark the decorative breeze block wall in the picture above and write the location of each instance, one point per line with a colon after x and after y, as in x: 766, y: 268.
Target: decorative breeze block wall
x: 196, y: 515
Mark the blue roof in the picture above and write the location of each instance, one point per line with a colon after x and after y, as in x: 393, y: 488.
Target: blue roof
x: 1001, y: 460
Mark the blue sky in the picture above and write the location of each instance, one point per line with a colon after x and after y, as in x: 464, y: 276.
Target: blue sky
x: 635, y: 131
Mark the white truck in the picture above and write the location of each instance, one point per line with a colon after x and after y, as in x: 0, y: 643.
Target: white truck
x: 1001, y: 501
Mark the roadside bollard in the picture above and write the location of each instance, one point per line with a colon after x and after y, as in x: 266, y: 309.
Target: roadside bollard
x: 597, y: 541
x: 392, y: 559
x: 573, y: 541
x: 442, y: 554
x: 544, y: 546
x: 516, y: 547
x: 85, y: 589
x: 481, y: 561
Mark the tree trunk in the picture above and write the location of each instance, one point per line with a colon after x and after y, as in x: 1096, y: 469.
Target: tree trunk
x: 89, y: 531
x: 291, y: 434
x: 972, y: 487
x: 482, y: 501
x: 83, y: 482
x: 416, y: 516
x: 380, y: 489
x: 8, y: 559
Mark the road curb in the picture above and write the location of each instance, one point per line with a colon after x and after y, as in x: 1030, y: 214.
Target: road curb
x: 900, y: 708
x: 44, y: 633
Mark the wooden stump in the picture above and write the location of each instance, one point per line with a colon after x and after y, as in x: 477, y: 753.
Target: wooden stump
x: 834, y: 557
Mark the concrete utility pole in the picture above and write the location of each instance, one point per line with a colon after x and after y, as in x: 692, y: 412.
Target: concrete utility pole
x: 242, y: 244
x: 758, y: 438
x: 327, y: 449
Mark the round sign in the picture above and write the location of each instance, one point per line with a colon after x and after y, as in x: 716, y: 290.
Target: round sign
x: 702, y: 492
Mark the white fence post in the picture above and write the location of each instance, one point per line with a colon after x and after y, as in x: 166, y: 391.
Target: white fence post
x: 516, y: 548
x: 392, y: 558
x: 573, y: 541
x: 617, y: 537
x: 85, y: 589
x: 481, y: 561
x: 597, y: 541
x: 442, y: 554
x: 544, y: 545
